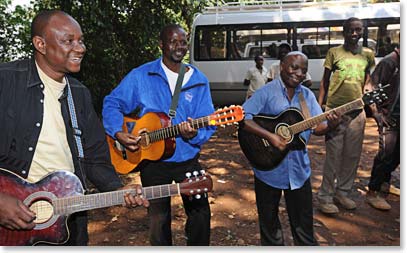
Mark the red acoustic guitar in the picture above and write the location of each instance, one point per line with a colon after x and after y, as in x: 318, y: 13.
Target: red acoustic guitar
x: 60, y: 194
x: 158, y: 136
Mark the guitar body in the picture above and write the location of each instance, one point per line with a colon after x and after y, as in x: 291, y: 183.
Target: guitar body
x: 261, y: 154
x: 51, y: 231
x: 157, y: 136
x: 60, y: 194
x: 126, y: 161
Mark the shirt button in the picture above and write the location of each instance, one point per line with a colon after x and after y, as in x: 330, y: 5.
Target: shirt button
x: 23, y: 172
x: 38, y: 124
x: 30, y: 149
x: 42, y: 86
x: 41, y: 101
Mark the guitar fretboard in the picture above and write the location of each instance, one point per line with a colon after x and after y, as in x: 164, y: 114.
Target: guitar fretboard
x: 79, y: 203
x: 309, y: 123
x: 172, y: 131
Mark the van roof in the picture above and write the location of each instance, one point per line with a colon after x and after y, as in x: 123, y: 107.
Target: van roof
x: 263, y: 13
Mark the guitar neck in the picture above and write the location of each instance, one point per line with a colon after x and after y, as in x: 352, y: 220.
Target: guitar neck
x: 79, y: 203
x: 172, y: 131
x: 309, y: 123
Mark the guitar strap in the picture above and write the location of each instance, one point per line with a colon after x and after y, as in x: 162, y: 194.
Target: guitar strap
x: 172, y: 112
x: 76, y: 133
x: 304, y: 107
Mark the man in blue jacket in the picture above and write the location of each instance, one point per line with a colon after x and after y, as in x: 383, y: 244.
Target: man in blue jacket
x: 150, y: 88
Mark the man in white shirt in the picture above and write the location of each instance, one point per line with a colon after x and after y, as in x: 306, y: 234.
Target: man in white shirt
x: 256, y: 76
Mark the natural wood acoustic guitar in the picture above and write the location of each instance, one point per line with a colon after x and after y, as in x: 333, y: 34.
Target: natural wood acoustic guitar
x: 158, y: 136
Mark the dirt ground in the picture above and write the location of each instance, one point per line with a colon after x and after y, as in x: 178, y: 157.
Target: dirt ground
x: 233, y: 206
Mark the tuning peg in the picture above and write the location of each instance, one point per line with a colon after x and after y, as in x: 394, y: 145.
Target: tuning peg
x: 203, y: 173
x: 198, y: 196
x: 195, y: 173
x: 188, y: 175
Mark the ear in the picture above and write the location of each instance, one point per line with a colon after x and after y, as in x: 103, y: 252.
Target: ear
x: 39, y: 44
x: 160, y: 44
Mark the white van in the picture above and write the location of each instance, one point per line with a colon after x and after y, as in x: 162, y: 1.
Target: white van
x: 225, y: 39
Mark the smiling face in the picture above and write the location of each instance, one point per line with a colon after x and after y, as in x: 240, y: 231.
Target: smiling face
x: 174, y: 45
x: 293, y: 69
x: 353, y: 32
x: 60, y: 48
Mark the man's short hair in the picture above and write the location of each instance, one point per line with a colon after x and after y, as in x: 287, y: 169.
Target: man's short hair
x: 258, y: 57
x: 295, y: 53
x: 285, y: 45
x: 167, y: 28
x: 347, y: 22
x: 41, y: 20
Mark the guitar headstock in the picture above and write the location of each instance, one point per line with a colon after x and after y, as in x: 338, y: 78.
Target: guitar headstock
x: 377, y: 96
x: 196, y: 184
x: 227, y: 115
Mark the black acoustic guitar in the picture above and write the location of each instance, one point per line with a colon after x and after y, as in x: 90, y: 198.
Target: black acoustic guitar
x: 289, y: 124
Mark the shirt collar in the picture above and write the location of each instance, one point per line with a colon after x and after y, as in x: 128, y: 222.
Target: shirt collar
x: 284, y: 89
x: 156, y: 68
x: 33, y: 77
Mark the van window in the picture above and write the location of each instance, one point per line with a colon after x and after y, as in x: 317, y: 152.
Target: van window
x: 219, y: 43
x: 389, y: 38
x: 212, y: 44
x: 316, y: 41
x: 261, y: 42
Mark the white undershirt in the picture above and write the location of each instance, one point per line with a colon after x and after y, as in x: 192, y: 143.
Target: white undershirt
x: 172, y: 76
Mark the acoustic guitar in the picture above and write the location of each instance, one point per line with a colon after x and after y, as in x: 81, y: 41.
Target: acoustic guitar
x: 158, y: 136
x: 60, y: 194
x: 289, y: 124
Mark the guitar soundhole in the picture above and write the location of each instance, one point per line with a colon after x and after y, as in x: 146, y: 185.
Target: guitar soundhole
x: 284, y: 132
x: 43, y: 209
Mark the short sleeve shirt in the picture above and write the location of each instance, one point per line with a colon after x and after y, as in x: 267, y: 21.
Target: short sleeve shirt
x: 272, y: 99
x: 257, y: 78
x: 348, y: 74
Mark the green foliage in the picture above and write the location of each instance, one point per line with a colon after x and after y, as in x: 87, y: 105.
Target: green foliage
x: 119, y: 34
x: 14, y: 32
